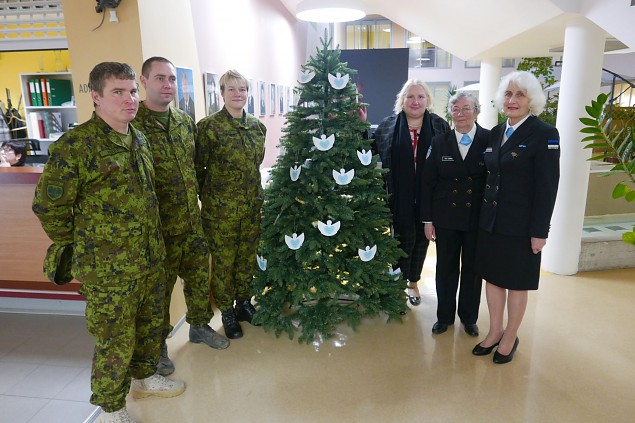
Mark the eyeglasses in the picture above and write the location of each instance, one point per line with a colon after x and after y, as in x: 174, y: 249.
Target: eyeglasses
x: 464, y: 110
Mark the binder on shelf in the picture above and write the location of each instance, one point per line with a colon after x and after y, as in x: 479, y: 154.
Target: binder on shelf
x: 45, y: 99
x: 52, y: 123
x: 40, y: 122
x: 38, y: 92
x: 35, y: 127
x: 61, y: 91
x: 32, y: 92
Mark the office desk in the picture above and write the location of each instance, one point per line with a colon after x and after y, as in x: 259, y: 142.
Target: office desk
x: 23, y: 242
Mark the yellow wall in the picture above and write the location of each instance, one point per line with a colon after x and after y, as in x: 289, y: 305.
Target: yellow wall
x: 118, y: 42
x: 12, y: 64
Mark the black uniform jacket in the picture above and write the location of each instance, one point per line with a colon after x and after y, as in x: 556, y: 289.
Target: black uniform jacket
x: 522, y: 180
x: 453, y: 186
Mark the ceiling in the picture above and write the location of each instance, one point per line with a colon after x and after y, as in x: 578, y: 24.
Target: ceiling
x: 480, y: 29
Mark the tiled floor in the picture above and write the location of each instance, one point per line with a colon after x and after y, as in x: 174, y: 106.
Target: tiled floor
x: 44, y: 369
x: 575, y: 363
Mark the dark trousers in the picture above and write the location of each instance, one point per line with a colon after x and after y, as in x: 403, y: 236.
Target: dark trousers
x: 456, y: 254
x: 413, y: 242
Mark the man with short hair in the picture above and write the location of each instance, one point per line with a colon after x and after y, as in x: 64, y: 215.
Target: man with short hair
x: 171, y: 134
x: 96, y: 202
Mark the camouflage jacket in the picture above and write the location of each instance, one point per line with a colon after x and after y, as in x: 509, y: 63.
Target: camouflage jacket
x: 97, y: 195
x: 228, y: 156
x: 173, y: 152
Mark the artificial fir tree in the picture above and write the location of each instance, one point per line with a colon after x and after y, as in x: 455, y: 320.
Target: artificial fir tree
x: 326, y: 249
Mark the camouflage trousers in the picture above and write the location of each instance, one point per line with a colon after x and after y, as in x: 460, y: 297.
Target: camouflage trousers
x: 187, y: 256
x: 232, y: 242
x: 124, y: 317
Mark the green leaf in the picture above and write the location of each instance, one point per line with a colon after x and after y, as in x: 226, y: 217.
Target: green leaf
x: 597, y: 145
x: 630, y: 196
x: 591, y: 130
x: 620, y: 190
x: 594, y: 137
x: 592, y: 111
x: 629, y: 237
x: 589, y: 121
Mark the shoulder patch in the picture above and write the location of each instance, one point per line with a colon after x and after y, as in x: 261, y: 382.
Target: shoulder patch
x: 54, y: 191
x: 553, y: 144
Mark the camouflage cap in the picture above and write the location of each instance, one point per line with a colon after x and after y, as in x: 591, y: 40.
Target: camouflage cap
x: 57, y: 263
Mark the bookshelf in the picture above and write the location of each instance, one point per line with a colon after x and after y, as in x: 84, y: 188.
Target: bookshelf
x: 49, y: 106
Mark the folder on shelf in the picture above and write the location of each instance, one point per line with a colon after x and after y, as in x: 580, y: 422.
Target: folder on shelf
x: 35, y: 126
x: 45, y: 98
x: 38, y: 92
x: 32, y: 92
x: 61, y: 91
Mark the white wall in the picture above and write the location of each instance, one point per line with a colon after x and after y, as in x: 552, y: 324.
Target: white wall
x: 259, y: 38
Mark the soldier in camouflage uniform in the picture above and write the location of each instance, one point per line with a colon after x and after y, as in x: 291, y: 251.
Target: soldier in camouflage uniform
x: 229, y: 150
x: 96, y: 196
x: 171, y: 133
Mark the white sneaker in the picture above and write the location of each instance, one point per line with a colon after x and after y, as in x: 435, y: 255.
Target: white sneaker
x: 157, y: 385
x: 119, y: 416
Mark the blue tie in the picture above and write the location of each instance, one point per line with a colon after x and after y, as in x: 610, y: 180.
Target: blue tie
x: 466, y: 140
x: 509, y: 132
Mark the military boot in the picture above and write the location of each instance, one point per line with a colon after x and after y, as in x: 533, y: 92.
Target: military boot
x: 231, y: 325
x: 245, y: 311
x: 165, y: 366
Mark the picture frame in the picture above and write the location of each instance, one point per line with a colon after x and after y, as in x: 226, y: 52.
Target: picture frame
x: 280, y: 91
x: 185, y: 91
x: 262, y: 97
x: 272, y: 99
x: 212, y: 93
x: 251, y: 97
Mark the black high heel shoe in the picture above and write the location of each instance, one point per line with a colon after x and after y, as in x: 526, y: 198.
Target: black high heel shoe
x: 502, y: 359
x: 415, y: 301
x: 480, y: 350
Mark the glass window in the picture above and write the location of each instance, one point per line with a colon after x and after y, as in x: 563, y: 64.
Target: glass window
x: 424, y: 54
x: 506, y: 63
x: 367, y: 34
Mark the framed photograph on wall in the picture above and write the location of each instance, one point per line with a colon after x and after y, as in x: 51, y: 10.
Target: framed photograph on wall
x: 212, y: 93
x: 272, y: 99
x: 250, y: 97
x: 280, y: 99
x: 185, y: 88
x: 287, y: 96
x: 262, y: 99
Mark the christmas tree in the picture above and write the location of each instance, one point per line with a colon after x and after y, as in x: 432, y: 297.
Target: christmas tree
x: 326, y: 248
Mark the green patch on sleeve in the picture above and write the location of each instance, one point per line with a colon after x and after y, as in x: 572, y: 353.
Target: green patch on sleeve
x: 54, y: 191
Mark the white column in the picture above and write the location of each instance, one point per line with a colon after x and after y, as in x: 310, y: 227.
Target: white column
x: 579, y: 84
x: 490, y: 79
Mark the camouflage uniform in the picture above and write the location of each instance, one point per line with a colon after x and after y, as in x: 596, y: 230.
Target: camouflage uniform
x: 228, y: 156
x: 96, y: 194
x: 177, y: 187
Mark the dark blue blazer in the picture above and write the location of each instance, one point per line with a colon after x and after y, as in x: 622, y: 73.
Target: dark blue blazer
x: 522, y: 180
x: 453, y: 186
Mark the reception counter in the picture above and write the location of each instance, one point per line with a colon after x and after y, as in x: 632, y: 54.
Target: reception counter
x: 23, y: 242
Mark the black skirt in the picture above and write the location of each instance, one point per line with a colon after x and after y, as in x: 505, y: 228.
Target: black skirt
x: 507, y: 261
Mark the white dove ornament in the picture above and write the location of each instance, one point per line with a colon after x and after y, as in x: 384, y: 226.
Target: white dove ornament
x: 294, y: 172
x: 262, y: 262
x: 368, y: 254
x: 338, y: 81
x: 295, y: 241
x: 342, y: 177
x: 323, y: 143
x: 306, y: 76
x: 328, y: 228
x: 364, y: 157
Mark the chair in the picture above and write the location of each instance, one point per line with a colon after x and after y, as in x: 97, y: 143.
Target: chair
x: 33, y: 151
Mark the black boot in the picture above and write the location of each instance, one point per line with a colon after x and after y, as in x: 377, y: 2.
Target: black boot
x: 231, y: 325
x: 245, y: 311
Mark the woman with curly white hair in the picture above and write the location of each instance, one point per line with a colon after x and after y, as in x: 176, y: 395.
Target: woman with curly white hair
x: 523, y: 170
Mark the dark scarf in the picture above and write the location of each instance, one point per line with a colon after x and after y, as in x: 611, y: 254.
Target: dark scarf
x: 406, y: 182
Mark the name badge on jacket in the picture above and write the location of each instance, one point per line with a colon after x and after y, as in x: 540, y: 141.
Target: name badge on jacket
x: 447, y: 158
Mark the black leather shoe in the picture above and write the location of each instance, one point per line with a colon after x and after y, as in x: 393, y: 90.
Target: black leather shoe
x: 502, y: 359
x: 231, y: 325
x: 471, y: 329
x: 479, y: 350
x: 439, y: 327
x: 245, y: 311
x: 415, y: 301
